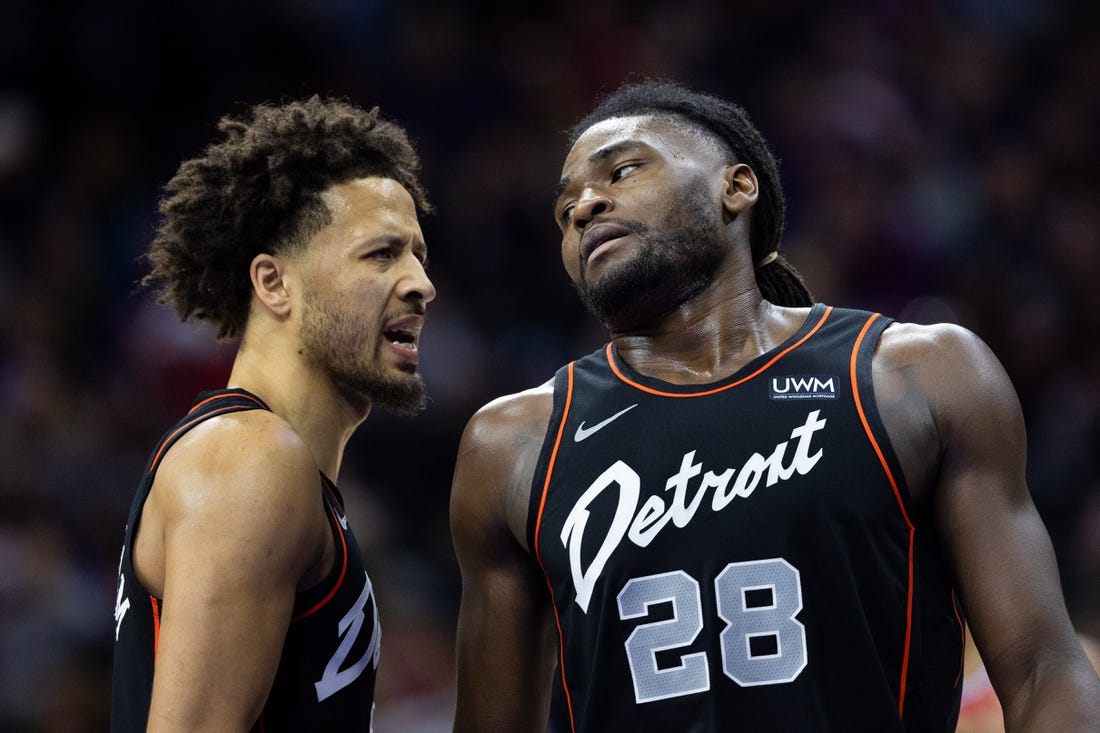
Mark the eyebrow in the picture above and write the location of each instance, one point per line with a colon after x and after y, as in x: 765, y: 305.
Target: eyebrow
x: 393, y: 239
x: 600, y: 155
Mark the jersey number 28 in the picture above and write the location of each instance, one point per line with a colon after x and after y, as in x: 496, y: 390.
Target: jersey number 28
x: 762, y: 642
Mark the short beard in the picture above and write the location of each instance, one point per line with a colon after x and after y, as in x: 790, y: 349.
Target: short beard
x: 335, y: 345
x: 398, y: 396
x: 674, y: 263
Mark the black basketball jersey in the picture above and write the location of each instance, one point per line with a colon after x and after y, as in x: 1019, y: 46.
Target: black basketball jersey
x: 326, y: 675
x: 742, y: 555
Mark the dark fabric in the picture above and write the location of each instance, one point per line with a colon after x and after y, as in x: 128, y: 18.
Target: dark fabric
x: 746, y: 554
x: 326, y: 676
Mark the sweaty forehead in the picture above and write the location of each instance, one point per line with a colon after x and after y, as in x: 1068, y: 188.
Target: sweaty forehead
x: 368, y: 195
x: 666, y: 133
x: 367, y: 208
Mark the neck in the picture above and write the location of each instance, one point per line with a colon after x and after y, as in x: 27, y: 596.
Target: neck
x: 711, y: 336
x: 300, y: 395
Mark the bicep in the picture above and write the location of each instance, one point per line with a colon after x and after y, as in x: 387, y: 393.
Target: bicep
x: 238, y: 539
x: 999, y: 550
x: 505, y: 633
x: 505, y: 650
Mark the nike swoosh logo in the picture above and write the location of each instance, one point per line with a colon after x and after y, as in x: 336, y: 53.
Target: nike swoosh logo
x: 583, y: 432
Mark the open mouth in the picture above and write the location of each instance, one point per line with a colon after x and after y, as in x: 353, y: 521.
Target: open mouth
x: 401, y: 337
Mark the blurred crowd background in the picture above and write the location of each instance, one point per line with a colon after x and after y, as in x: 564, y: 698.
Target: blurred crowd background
x: 940, y: 158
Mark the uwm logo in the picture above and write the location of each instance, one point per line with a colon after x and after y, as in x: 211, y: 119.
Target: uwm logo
x: 802, y: 387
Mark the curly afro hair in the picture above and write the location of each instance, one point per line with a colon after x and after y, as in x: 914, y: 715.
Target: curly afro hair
x: 259, y: 190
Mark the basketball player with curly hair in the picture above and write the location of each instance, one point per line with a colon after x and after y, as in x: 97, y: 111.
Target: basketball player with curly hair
x: 243, y: 602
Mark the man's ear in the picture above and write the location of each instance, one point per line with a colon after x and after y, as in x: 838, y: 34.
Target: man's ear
x: 270, y: 283
x: 739, y: 190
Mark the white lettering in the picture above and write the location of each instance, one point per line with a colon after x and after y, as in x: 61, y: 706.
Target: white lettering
x: 122, y: 604
x: 803, y: 461
x: 641, y: 526
x: 649, y: 522
x: 681, y: 512
x: 749, y: 476
x: 804, y: 386
x: 776, y: 472
x: 335, y: 679
x: 629, y: 484
x: 718, y: 482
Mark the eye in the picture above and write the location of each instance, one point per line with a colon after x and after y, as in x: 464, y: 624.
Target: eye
x: 566, y: 214
x: 622, y: 171
x: 385, y: 253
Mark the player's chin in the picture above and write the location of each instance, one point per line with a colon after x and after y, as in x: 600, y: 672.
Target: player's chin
x: 403, y: 393
x: 393, y: 388
x: 405, y: 403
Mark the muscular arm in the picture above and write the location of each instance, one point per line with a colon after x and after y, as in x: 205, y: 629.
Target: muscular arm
x: 995, y: 542
x: 228, y: 532
x: 506, y: 639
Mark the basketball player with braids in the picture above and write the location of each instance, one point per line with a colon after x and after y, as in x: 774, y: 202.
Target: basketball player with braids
x: 243, y: 602
x: 749, y: 511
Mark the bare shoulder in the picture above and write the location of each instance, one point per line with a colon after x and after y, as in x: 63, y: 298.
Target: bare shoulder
x: 937, y: 387
x: 240, y: 485
x: 512, y: 419
x: 923, y: 361
x: 905, y: 344
x: 246, y: 476
x: 498, y: 455
x: 952, y: 365
x: 239, y: 457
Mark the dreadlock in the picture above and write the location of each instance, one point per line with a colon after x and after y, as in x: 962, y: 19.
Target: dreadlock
x: 259, y: 190
x: 777, y: 279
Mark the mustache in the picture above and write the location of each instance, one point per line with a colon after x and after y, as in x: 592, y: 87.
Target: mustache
x: 632, y: 226
x: 416, y: 309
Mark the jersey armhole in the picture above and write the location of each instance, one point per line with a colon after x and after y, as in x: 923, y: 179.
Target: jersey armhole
x: 540, y: 483
x: 867, y: 405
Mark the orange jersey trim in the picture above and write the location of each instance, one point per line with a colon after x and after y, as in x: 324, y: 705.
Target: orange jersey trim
x: 343, y: 571
x: 557, y: 444
x: 538, y: 553
x: 190, y: 423
x: 223, y: 396
x: 155, y: 605
x: 904, y: 514
x: 704, y: 393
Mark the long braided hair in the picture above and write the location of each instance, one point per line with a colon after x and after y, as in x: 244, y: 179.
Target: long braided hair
x: 777, y: 279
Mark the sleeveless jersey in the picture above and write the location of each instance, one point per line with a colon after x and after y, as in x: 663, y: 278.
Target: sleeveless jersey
x: 742, y: 555
x: 326, y: 674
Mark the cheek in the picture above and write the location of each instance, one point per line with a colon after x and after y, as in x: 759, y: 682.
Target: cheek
x: 368, y: 306
x: 361, y: 305
x: 569, y: 257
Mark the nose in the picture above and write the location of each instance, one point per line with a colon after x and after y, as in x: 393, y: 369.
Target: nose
x: 590, y: 205
x: 416, y: 285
